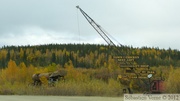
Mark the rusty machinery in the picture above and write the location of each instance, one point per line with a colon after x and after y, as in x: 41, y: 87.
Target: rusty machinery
x: 132, y: 70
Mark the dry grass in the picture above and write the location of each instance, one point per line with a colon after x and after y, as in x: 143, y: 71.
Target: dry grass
x: 80, y: 82
x: 70, y: 87
x: 173, y: 82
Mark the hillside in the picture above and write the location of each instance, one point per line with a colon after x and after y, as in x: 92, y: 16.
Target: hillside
x: 91, y: 69
x: 84, y: 55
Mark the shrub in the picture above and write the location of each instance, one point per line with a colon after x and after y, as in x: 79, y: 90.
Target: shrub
x: 173, y: 82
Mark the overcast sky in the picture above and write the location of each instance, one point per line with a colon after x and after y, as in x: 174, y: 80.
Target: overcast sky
x: 152, y: 23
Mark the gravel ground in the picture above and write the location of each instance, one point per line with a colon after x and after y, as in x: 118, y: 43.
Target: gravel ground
x: 57, y: 98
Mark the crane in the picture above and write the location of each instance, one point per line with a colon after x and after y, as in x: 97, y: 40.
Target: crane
x: 98, y: 28
x: 133, y: 68
x: 100, y: 31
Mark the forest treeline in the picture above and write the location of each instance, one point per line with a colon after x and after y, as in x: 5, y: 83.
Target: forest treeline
x: 85, y: 55
x: 91, y: 69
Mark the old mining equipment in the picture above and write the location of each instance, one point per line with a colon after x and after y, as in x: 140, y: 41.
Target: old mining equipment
x: 157, y: 86
x: 132, y: 69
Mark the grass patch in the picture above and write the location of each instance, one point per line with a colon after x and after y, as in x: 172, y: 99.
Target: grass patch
x: 68, y: 88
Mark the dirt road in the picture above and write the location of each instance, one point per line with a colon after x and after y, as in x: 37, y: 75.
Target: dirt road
x: 57, y: 98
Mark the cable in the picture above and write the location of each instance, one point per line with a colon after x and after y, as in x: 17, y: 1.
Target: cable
x: 78, y: 26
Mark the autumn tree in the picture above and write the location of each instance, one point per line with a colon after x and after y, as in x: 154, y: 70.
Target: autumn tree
x: 22, y: 73
x: 173, y: 82
x: 12, y: 72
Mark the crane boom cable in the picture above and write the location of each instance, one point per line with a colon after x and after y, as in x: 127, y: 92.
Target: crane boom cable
x: 78, y: 26
x: 102, y: 33
x: 109, y: 35
x: 97, y: 27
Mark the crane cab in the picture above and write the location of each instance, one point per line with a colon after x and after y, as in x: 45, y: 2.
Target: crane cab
x: 157, y: 86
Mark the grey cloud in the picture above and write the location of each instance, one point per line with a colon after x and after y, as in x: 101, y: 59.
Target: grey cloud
x: 132, y: 22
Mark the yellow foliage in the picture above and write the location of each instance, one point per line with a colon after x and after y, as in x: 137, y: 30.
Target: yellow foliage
x: 69, y: 65
x: 21, y: 53
x: 173, y: 82
x: 52, y: 67
x: 30, y: 72
x: 3, y: 54
x: 12, y: 71
x: 22, y: 72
